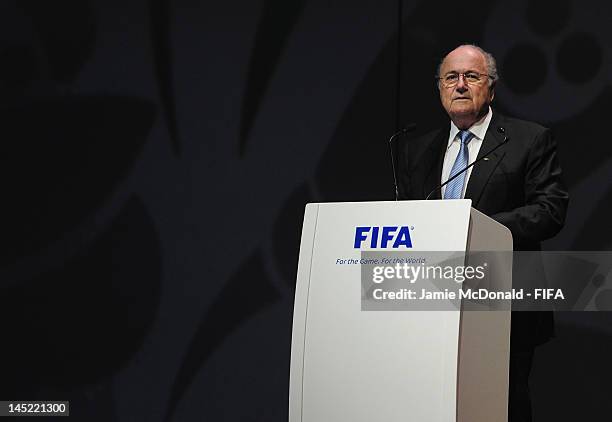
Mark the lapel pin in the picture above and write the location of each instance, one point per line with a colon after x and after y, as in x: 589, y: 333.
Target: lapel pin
x: 485, y: 159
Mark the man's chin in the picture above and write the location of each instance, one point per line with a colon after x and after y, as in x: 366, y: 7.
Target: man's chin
x: 463, y: 119
x: 462, y: 113
x: 462, y: 108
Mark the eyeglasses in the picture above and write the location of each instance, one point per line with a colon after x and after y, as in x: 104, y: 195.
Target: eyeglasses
x: 471, y: 78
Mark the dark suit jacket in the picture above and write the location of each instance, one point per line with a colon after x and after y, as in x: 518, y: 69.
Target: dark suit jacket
x: 519, y: 186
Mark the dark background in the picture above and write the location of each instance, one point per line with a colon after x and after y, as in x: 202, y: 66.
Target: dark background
x: 156, y: 157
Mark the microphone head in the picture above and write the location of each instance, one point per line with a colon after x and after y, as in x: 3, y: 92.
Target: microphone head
x: 502, y: 131
x: 409, y: 127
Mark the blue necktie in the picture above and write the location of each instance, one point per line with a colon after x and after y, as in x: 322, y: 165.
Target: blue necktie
x: 454, y: 189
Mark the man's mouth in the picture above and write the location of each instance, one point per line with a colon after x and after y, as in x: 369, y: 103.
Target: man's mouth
x: 461, y: 98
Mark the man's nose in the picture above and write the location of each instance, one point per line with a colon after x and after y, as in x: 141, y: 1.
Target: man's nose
x: 461, y: 85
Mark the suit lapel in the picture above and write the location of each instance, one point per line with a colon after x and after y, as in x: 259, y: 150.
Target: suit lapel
x: 482, y: 171
x: 436, y: 152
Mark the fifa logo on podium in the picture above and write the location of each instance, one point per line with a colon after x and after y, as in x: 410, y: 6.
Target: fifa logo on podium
x: 383, y: 237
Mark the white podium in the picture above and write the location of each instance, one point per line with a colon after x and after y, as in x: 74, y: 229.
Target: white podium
x: 387, y: 366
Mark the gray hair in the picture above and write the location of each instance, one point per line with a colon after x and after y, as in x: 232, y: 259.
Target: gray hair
x: 489, y: 59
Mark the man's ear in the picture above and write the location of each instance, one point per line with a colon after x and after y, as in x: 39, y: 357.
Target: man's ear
x: 492, y: 92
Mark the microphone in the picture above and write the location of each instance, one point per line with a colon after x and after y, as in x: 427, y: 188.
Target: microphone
x: 501, y: 130
x: 408, y: 128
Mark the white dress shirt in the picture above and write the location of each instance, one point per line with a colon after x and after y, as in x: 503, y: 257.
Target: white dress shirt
x: 479, y: 129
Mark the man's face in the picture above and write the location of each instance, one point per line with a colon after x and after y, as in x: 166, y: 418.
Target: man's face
x: 465, y: 103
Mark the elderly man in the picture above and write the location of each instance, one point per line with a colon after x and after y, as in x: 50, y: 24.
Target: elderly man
x: 519, y: 184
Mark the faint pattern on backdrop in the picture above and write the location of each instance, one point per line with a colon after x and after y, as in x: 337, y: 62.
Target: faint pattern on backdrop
x: 131, y: 320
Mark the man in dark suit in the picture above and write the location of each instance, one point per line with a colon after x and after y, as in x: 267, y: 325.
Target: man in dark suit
x: 519, y: 184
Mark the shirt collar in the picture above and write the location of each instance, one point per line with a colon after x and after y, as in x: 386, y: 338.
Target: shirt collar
x: 479, y: 129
